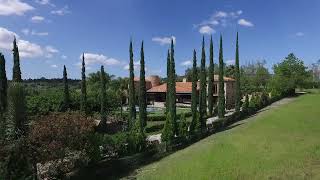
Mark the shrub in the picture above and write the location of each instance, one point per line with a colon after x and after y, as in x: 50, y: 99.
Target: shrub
x: 137, y: 138
x: 183, y: 127
x: 52, y: 136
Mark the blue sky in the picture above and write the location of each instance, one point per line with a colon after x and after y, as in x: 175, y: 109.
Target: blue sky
x: 52, y: 33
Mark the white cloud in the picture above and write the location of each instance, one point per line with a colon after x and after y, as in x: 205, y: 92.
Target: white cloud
x: 63, y: 11
x: 51, y: 49
x: 37, y: 19
x: 39, y: 33
x: 218, y: 19
x: 44, y: 2
x: 64, y: 57
x: 221, y: 14
x: 186, y: 63
x: 164, y: 40
x: 246, y: 23
x: 230, y: 62
x: 25, y: 31
x: 91, y: 58
x: 33, y: 32
x: 206, y: 30
x: 300, y: 34
x: 54, y: 66
x: 136, y: 66
x: 14, y: 7
x: 27, y: 49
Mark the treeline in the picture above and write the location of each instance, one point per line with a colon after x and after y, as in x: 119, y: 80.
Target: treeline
x: 77, y: 120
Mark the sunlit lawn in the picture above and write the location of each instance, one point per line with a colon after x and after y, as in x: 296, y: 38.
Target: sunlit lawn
x: 283, y: 143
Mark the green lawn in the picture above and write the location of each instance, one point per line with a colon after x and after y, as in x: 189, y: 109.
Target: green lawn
x: 283, y: 143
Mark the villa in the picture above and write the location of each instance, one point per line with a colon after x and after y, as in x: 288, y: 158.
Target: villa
x: 156, y: 92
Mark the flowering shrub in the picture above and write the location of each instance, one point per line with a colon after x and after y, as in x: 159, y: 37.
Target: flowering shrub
x: 54, y: 135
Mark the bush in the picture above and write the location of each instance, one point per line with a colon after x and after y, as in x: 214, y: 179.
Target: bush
x: 137, y: 138
x: 183, y: 127
x: 52, y: 136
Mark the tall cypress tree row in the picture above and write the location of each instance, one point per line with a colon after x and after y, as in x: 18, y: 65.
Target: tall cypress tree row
x: 203, y: 88
x: 194, y: 96
x: 3, y: 84
x: 132, y: 101
x: 221, y: 98
x: 83, y: 87
x: 168, y: 81
x: 103, y: 113
x: 142, y: 91
x: 16, y: 77
x: 172, y: 92
x: 66, y: 97
x: 238, y: 93
x: 210, y: 80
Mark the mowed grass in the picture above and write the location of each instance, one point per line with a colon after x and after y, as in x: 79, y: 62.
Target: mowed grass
x: 282, y: 143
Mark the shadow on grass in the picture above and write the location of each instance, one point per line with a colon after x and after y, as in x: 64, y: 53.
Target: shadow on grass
x: 127, y: 166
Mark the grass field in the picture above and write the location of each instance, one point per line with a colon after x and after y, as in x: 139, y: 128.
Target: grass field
x: 282, y: 143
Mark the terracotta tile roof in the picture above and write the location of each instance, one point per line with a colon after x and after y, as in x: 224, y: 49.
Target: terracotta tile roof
x: 181, y: 87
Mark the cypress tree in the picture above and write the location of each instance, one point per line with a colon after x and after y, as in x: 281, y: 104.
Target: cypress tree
x: 237, y: 94
x: 194, y: 96
x: 16, y: 114
x: 210, y: 80
x: 142, y: 91
x: 3, y: 97
x: 203, y: 89
x: 83, y: 87
x: 3, y: 84
x: 103, y: 113
x: 168, y: 82
x: 172, y: 91
x: 132, y: 102
x: 168, y: 129
x: 221, y: 99
x: 16, y: 77
x: 66, y: 97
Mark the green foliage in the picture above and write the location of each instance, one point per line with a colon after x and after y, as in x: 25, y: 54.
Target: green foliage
x: 83, y: 106
x: 254, y: 77
x: 203, y: 89
x: 66, y: 95
x: 172, y: 90
x: 16, y: 77
x: 238, y: 90
x: 245, y: 105
x: 17, y: 163
x: 3, y: 85
x: 142, y: 91
x: 103, y: 113
x: 183, y: 126
x: 137, y: 138
x: 194, y: 95
x: 288, y: 75
x: 168, y: 131
x: 16, y: 114
x: 210, y: 80
x: 221, y: 98
x: 132, y: 100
